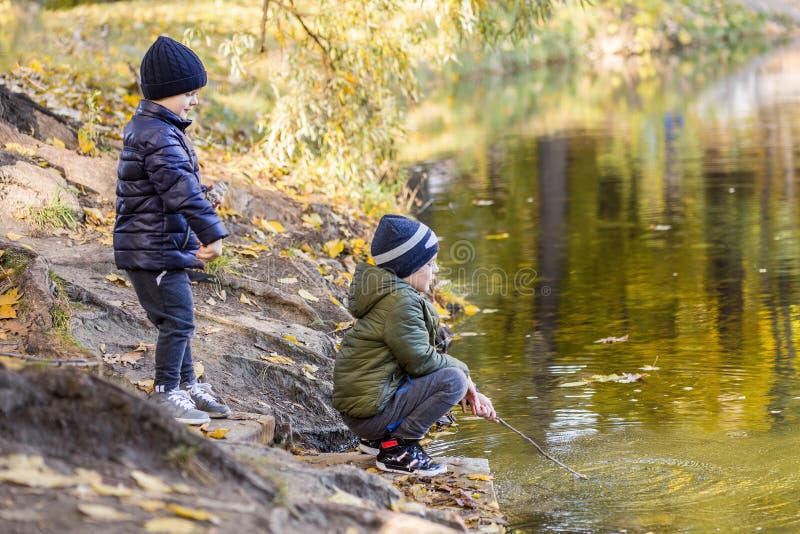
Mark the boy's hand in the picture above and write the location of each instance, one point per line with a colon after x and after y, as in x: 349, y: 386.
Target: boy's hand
x: 478, y: 403
x: 210, y: 251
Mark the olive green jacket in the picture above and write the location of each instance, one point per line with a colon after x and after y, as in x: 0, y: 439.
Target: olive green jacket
x: 394, y: 336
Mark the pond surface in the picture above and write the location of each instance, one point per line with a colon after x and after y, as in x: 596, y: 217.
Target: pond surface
x: 661, y: 206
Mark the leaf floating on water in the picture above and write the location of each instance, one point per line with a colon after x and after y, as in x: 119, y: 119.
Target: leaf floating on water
x: 624, y: 378
x: 579, y: 383
x: 613, y: 339
x: 649, y: 368
x: 504, y: 235
x: 471, y: 309
x: 479, y: 202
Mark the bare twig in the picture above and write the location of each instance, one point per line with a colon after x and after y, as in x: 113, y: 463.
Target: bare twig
x: 264, y: 26
x: 80, y: 362
x: 538, y: 448
x: 300, y: 17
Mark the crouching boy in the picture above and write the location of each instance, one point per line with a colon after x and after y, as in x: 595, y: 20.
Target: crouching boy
x: 390, y: 383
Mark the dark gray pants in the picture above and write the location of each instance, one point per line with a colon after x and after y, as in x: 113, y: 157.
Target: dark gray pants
x: 167, y: 299
x: 415, y: 407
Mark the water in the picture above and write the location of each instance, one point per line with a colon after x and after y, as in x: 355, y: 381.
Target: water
x: 663, y: 207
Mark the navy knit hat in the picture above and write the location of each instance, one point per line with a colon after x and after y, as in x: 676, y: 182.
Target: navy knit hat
x: 170, y: 68
x: 402, y: 246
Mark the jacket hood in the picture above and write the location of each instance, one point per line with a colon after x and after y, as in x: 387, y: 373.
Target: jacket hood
x: 370, y: 285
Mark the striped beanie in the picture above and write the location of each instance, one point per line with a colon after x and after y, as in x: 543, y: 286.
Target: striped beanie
x: 402, y: 246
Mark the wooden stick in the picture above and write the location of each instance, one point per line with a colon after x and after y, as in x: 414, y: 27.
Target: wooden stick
x: 538, y: 448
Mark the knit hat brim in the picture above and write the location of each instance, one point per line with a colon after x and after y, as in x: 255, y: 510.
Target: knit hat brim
x: 157, y: 91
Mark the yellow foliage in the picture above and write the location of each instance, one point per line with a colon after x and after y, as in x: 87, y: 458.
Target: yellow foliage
x: 169, y: 525
x: 197, y: 514
x: 308, y: 296
x: 480, y: 476
x: 99, y: 512
x: 471, y: 309
x: 218, y: 433
x: 277, y: 358
x: 149, y: 482
x: 333, y: 247
x: 312, y: 220
x: 8, y: 302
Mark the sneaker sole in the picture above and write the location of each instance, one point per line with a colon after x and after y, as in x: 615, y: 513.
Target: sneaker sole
x: 218, y: 415
x: 193, y: 422
x: 366, y: 449
x: 419, y: 473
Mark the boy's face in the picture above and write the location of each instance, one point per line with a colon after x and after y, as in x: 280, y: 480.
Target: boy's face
x: 422, y: 279
x: 181, y: 104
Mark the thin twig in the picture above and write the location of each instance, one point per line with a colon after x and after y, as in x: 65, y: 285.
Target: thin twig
x: 538, y: 448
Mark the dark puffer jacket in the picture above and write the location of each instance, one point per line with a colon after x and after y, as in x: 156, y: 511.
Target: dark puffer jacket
x: 394, y: 336
x: 162, y: 213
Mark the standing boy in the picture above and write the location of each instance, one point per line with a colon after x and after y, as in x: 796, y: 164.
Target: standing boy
x: 165, y: 225
x: 390, y: 383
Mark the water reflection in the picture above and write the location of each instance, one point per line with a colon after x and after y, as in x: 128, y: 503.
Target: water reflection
x: 665, y: 212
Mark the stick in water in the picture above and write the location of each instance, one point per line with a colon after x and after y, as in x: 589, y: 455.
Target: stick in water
x: 538, y: 448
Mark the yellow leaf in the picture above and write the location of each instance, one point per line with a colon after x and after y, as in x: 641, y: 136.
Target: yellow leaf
x: 169, y: 525
x: 312, y: 220
x: 197, y: 514
x: 183, y: 488
x: 85, y: 142
x: 110, y: 491
x: 94, y: 215
x: 218, y: 433
x: 308, y: 296
x: 145, y: 385
x: 245, y: 300
x: 504, y: 235
x: 292, y: 339
x: 333, y: 247
x: 151, y: 505
x: 309, y: 370
x: 150, y: 482
x: 31, y: 471
x: 13, y: 237
x: 480, y: 476
x: 277, y: 358
x: 19, y: 149
x: 117, y: 279
x: 270, y: 226
x: 334, y: 299
x: 98, y: 512
x: 291, y: 280
x: 471, y: 309
x: 58, y: 143
x: 199, y: 369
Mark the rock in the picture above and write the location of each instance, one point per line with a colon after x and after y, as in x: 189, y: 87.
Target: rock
x: 32, y: 119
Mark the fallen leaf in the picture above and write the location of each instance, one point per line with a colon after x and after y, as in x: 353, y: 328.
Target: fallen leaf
x: 277, y: 358
x: 98, y: 512
x: 613, y: 339
x: 169, y: 525
x: 287, y: 280
x: 308, y: 296
x: 199, y: 369
x: 244, y: 299
x: 94, y: 215
x: 211, y: 302
x: 117, y: 279
x: 208, y: 330
x: 197, y: 514
x: 31, y: 471
x: 334, y: 299
x: 271, y: 226
x: 292, y: 339
x: 333, y: 247
x: 183, y: 488
x: 504, y: 235
x: 342, y: 497
x: 145, y: 385
x: 111, y: 491
x: 13, y: 237
x: 149, y: 482
x: 218, y: 433
x: 130, y: 358
x: 309, y: 370
x: 151, y: 505
x: 312, y: 220
x: 480, y: 476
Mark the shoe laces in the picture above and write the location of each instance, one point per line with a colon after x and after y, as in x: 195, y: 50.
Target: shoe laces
x: 203, y: 390
x: 181, y: 398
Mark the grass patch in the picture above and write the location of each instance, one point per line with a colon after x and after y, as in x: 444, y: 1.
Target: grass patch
x: 224, y: 264
x: 54, y: 215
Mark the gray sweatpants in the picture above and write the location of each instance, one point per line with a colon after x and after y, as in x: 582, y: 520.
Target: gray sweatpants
x: 415, y: 407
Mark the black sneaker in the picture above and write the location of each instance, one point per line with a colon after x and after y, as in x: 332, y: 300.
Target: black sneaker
x: 369, y: 446
x: 408, y: 457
